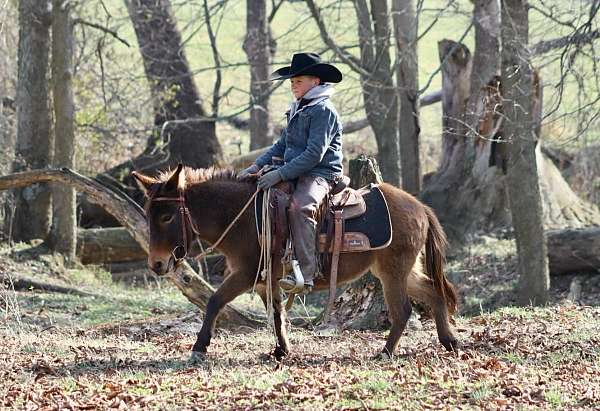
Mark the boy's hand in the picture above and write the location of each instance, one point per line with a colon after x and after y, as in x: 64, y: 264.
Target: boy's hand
x: 268, y: 180
x: 245, y: 173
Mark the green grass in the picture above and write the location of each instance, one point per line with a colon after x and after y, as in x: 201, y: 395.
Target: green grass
x: 482, y: 392
x: 105, y: 303
x: 554, y: 398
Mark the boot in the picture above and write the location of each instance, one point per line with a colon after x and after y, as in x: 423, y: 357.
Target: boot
x: 304, y: 234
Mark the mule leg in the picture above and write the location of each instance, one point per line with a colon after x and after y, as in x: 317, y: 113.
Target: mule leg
x: 399, y: 308
x: 282, y: 348
x: 234, y: 285
x: 420, y: 287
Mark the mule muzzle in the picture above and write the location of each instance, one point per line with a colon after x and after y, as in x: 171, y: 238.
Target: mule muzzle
x: 158, y: 267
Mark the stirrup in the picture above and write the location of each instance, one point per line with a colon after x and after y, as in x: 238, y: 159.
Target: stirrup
x: 290, y: 286
x: 294, y: 281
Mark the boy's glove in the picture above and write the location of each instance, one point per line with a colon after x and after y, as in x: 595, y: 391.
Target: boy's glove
x: 245, y: 173
x: 268, y: 180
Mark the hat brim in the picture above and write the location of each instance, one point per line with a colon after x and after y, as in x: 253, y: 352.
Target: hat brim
x: 326, y: 72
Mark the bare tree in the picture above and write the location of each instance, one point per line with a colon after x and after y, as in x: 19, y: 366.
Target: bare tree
x: 376, y: 75
x: 519, y: 131
x: 175, y: 97
x: 32, y: 207
x: 63, y: 235
x: 407, y: 83
x: 257, y: 46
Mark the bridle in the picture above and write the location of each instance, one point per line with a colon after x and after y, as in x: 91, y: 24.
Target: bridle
x: 180, y: 252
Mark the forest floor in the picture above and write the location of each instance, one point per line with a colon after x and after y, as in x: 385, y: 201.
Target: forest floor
x: 118, y: 346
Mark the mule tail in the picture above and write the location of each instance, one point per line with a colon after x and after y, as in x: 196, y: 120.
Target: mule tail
x: 435, y: 258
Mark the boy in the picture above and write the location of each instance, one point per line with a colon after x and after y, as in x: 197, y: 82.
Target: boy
x: 311, y: 146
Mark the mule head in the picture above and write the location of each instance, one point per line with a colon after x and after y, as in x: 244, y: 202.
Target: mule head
x: 169, y: 233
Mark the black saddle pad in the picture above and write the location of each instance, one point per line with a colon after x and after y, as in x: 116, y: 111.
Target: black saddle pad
x: 375, y: 223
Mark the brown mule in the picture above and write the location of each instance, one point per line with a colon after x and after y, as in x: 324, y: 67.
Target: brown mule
x: 203, y: 202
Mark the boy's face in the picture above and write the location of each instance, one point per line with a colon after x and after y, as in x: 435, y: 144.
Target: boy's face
x: 301, y: 84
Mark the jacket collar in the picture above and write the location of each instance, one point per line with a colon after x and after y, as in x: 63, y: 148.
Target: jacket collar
x: 316, y: 95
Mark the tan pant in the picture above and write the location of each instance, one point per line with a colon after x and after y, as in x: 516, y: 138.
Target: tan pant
x: 308, y: 195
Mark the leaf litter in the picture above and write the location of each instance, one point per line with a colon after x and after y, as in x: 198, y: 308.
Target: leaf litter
x: 510, y: 359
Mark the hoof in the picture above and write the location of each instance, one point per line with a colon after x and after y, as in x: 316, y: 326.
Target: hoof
x: 280, y: 353
x: 382, y: 356
x: 450, y: 344
x: 197, y: 357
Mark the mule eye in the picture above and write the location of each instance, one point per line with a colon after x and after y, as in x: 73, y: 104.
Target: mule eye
x: 166, y: 218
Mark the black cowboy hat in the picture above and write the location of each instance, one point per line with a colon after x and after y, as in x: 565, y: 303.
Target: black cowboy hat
x: 308, y: 64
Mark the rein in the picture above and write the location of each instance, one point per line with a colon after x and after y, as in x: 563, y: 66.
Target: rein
x: 186, y: 221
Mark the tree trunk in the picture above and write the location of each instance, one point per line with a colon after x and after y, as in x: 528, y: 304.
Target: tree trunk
x: 64, y: 225
x: 379, y: 94
x: 175, y: 97
x: 486, y: 59
x: 32, y: 205
x: 257, y: 48
x: 405, y: 30
x: 131, y: 216
x: 522, y: 179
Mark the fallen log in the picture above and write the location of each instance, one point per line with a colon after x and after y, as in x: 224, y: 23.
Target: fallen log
x: 574, y: 250
x: 107, y: 245
x: 131, y: 216
x: 115, y: 247
x: 27, y: 284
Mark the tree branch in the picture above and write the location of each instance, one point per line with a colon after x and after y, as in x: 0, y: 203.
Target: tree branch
x: 217, y: 59
x: 354, y: 63
x: 577, y: 39
x: 101, y: 28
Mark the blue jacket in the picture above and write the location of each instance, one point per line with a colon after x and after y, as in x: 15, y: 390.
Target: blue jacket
x: 311, y: 144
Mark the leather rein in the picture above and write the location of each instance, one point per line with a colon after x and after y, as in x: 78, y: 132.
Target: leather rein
x: 187, y: 224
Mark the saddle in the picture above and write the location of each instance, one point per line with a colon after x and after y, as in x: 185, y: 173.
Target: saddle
x: 350, y: 221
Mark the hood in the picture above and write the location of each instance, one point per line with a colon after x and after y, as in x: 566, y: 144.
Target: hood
x: 316, y: 94
x: 323, y: 90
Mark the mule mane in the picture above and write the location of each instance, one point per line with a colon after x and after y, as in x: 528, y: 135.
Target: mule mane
x: 195, y: 176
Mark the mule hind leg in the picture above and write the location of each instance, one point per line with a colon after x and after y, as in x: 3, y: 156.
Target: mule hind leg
x: 393, y: 272
x: 420, y: 287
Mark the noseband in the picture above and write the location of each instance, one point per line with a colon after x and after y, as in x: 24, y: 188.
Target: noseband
x: 180, y: 252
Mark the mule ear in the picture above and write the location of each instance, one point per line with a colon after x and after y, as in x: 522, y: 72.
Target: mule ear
x: 143, y: 181
x: 177, y: 180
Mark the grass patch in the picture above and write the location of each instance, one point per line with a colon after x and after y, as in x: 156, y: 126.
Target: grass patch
x: 555, y: 398
x: 482, y: 392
